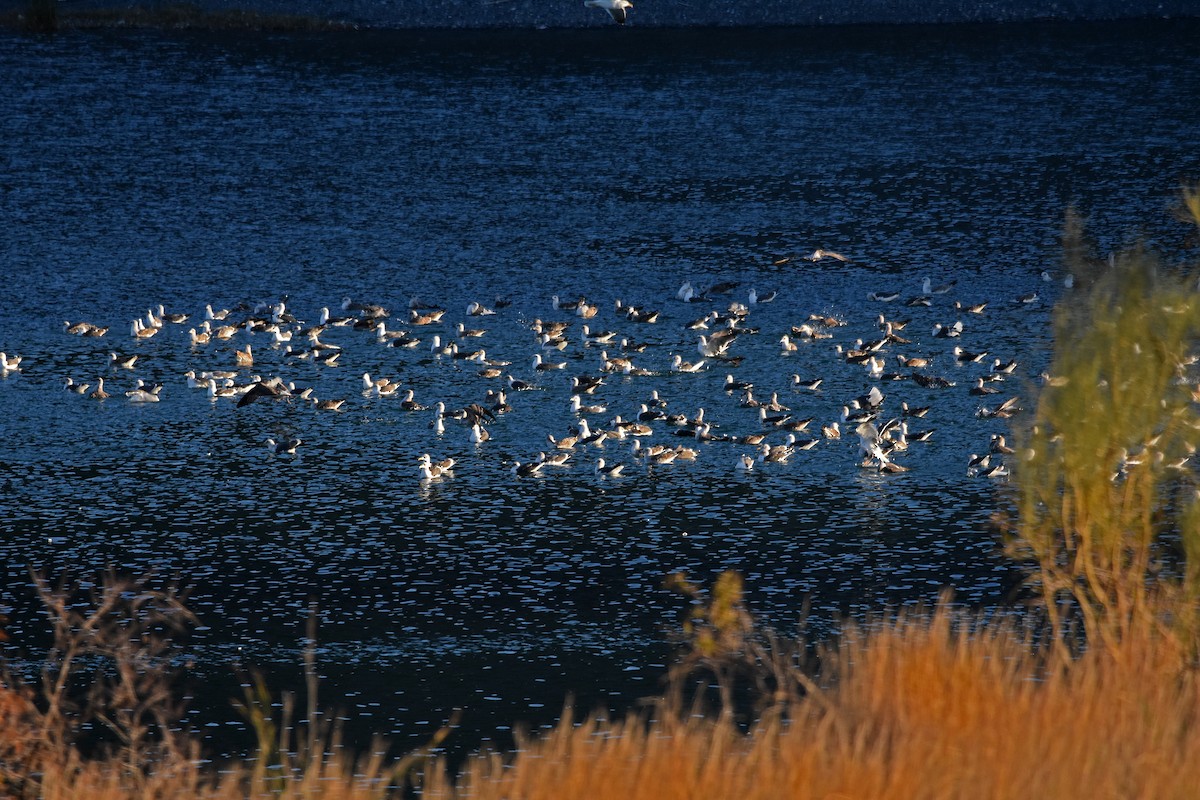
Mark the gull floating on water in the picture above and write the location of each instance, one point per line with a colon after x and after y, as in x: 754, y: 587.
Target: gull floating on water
x: 597, y: 337
x: 431, y: 470
x: 615, y: 364
x: 410, y: 404
x: 914, y: 362
x: 718, y: 344
x: 215, y: 391
x: 77, y: 388
x: 287, y: 446
x: 327, y: 405
x: 928, y: 288
x: 142, y: 396
x: 84, y: 329
x: 588, y: 436
x: 527, y: 470
x: 140, y: 331
x: 994, y: 471
x: 608, y: 471
x: 544, y: 366
x: 479, y: 434
x: 415, y: 318
x: 578, y: 407
x: 469, y: 333
x: 1004, y: 368
x: 776, y: 454
x: 679, y: 365
x: 477, y: 310
x: 379, y: 386
x: 118, y: 361
x: 810, y: 384
x: 558, y: 459
x: 565, y: 443
x: 518, y: 385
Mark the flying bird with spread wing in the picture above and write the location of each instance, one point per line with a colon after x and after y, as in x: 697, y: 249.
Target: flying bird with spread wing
x: 615, y: 8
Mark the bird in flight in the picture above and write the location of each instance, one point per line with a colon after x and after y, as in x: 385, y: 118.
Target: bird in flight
x: 615, y: 8
x: 821, y: 255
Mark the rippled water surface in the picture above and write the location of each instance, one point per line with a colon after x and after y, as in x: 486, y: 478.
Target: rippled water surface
x: 144, y: 168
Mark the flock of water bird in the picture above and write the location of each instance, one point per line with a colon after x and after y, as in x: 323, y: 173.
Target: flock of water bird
x: 578, y: 349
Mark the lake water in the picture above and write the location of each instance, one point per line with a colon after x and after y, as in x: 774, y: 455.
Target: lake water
x: 143, y: 168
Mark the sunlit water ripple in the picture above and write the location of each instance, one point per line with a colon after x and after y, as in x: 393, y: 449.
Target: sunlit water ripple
x: 142, y: 168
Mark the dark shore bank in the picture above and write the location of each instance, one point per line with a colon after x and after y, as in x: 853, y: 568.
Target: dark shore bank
x: 484, y: 14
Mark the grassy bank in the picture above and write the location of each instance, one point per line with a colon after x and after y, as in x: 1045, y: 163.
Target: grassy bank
x: 914, y: 707
x: 910, y: 710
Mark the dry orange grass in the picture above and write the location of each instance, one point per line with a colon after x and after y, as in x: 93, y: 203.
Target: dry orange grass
x: 61, y: 774
x: 913, y: 712
x: 911, y: 708
x: 336, y: 779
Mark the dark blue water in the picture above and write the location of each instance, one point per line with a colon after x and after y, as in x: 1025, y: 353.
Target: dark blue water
x: 145, y: 168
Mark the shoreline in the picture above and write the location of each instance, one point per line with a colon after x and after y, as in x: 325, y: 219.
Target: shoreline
x: 173, y: 18
x: 349, y: 15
